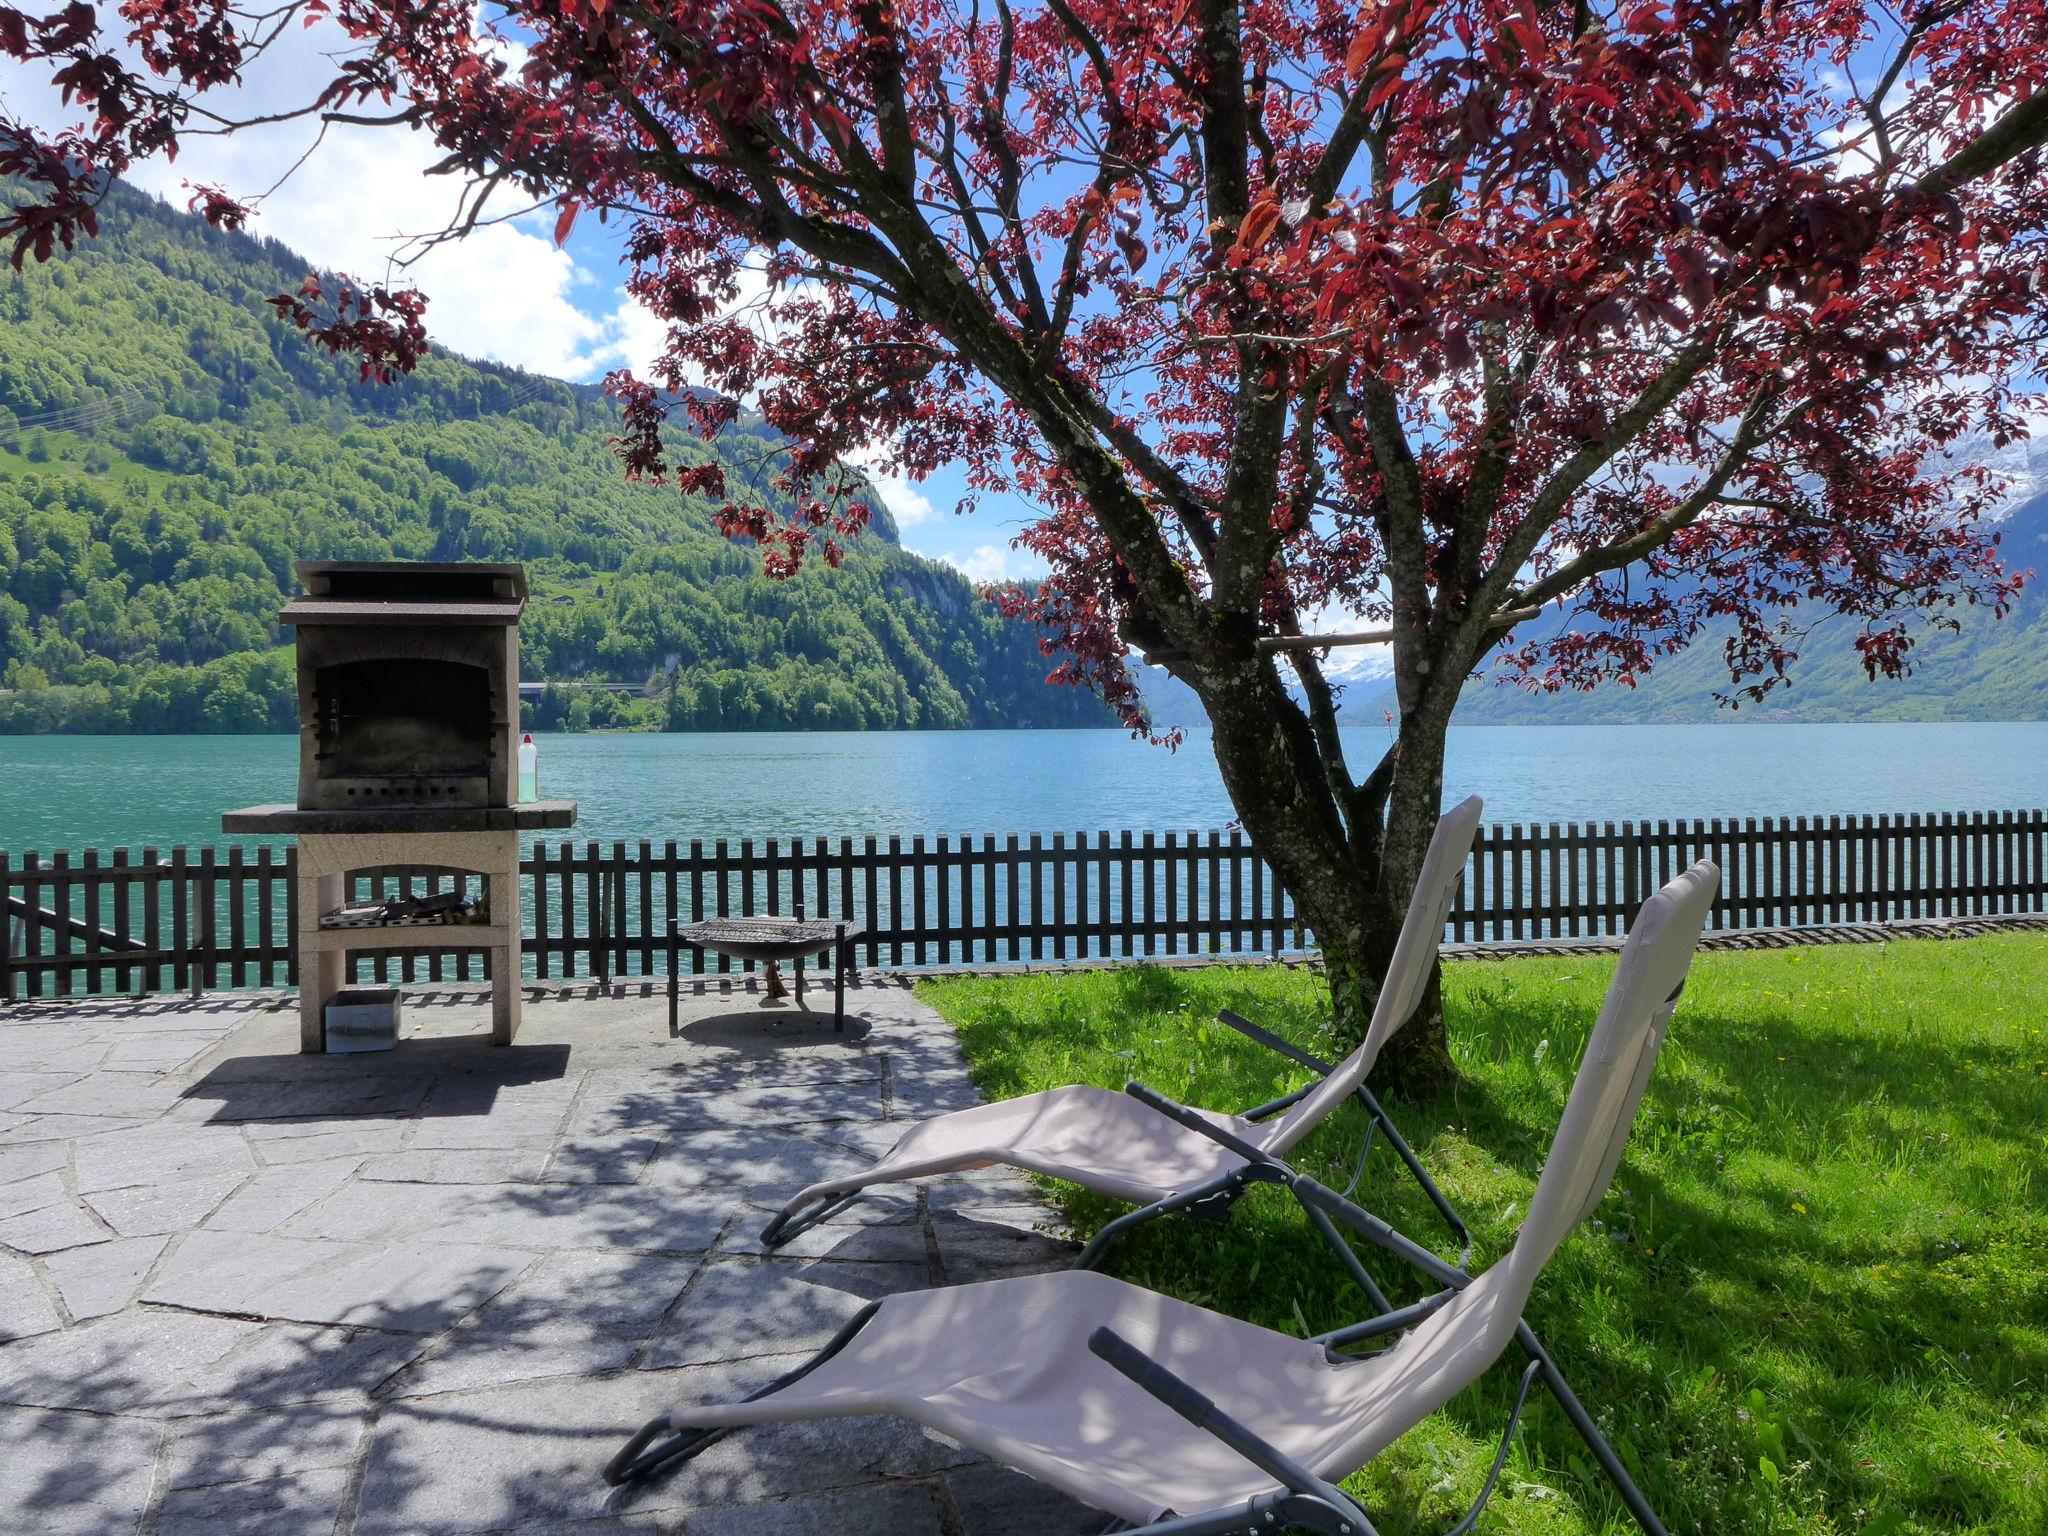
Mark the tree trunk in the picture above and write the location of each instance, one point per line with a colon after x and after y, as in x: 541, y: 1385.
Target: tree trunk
x: 1355, y: 923
x: 1419, y: 1057
x: 1417, y: 1060
x: 1350, y: 882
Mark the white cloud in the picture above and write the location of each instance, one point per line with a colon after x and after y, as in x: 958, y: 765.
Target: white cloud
x: 993, y: 563
x: 906, y: 503
x: 502, y: 293
x: 638, y: 337
x: 484, y: 25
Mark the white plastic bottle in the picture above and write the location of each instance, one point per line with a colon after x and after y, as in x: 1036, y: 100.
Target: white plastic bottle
x: 529, y: 771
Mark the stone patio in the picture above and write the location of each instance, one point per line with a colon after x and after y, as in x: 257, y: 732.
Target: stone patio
x: 430, y: 1291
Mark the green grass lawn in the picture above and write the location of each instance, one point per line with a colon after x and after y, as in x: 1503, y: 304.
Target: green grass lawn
x: 1816, y: 1299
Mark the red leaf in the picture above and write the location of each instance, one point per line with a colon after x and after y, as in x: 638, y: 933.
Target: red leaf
x: 1363, y: 47
x: 1259, y: 224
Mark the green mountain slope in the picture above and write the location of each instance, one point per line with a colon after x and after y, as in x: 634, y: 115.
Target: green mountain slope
x: 1991, y: 669
x: 167, y: 450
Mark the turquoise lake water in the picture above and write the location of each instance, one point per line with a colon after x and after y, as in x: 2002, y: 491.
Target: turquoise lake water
x: 110, y: 791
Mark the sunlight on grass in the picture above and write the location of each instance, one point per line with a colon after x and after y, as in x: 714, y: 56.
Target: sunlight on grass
x: 1815, y: 1301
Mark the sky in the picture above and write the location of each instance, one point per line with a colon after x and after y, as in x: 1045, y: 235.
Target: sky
x: 506, y: 292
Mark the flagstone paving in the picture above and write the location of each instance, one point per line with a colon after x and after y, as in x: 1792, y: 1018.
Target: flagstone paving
x: 428, y: 1293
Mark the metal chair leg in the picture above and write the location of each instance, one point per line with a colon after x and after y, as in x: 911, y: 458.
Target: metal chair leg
x: 785, y: 1225
x: 1406, y: 1153
x: 839, y: 980
x: 1632, y: 1497
x: 674, y: 983
x: 1219, y: 1194
x: 640, y: 1455
x: 1339, y: 1516
x: 635, y: 1459
x: 1500, y: 1457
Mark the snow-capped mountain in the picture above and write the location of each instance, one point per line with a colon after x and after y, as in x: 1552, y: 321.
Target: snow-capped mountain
x: 2022, y: 465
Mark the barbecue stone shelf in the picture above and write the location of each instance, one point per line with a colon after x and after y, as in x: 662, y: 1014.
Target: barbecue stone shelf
x: 292, y: 821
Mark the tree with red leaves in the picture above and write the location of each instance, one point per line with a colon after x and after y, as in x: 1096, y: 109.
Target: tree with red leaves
x: 1658, y: 314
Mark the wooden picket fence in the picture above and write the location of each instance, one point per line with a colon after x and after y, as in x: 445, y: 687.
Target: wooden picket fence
x: 137, y: 922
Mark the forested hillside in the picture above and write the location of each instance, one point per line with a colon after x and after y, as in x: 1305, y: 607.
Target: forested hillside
x: 167, y: 450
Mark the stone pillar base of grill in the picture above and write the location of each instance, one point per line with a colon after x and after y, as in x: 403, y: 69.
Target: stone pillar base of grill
x: 325, y: 860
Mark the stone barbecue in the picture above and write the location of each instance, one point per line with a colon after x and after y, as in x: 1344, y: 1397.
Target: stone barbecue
x: 408, y: 676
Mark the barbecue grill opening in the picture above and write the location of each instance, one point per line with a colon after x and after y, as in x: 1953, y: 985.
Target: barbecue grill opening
x: 410, y: 725
x: 397, y: 582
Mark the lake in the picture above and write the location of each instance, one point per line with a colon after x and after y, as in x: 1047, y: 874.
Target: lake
x: 110, y: 791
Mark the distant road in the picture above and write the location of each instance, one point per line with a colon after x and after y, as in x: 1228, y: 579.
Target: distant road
x: 535, y: 690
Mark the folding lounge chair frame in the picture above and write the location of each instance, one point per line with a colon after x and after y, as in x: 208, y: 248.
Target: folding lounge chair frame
x: 1302, y: 1497
x: 1212, y: 1201
x: 1211, y: 1198
x: 1315, y: 1200
x: 1305, y: 1500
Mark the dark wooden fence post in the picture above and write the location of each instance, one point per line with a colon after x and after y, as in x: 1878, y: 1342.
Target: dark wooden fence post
x: 60, y: 908
x: 32, y: 927
x: 199, y: 914
x: 10, y: 927
x: 917, y: 912
x: 95, y: 974
x: 621, y: 939
x: 594, y: 894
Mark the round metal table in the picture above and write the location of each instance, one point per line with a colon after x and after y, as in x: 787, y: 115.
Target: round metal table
x: 768, y: 940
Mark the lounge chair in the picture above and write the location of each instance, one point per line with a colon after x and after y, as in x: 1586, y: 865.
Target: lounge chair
x: 1118, y: 1147
x: 1187, y: 1423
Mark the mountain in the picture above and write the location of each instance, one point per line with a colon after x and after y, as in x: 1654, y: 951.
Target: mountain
x: 1990, y: 669
x: 1361, y: 673
x: 167, y: 449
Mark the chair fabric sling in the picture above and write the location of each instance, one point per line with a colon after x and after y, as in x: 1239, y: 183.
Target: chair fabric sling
x: 1102, y: 1389
x: 1117, y: 1147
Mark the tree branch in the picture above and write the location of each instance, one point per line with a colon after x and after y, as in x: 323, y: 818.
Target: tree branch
x: 1571, y: 477
x: 2023, y: 127
x: 1291, y: 643
x: 1658, y: 531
